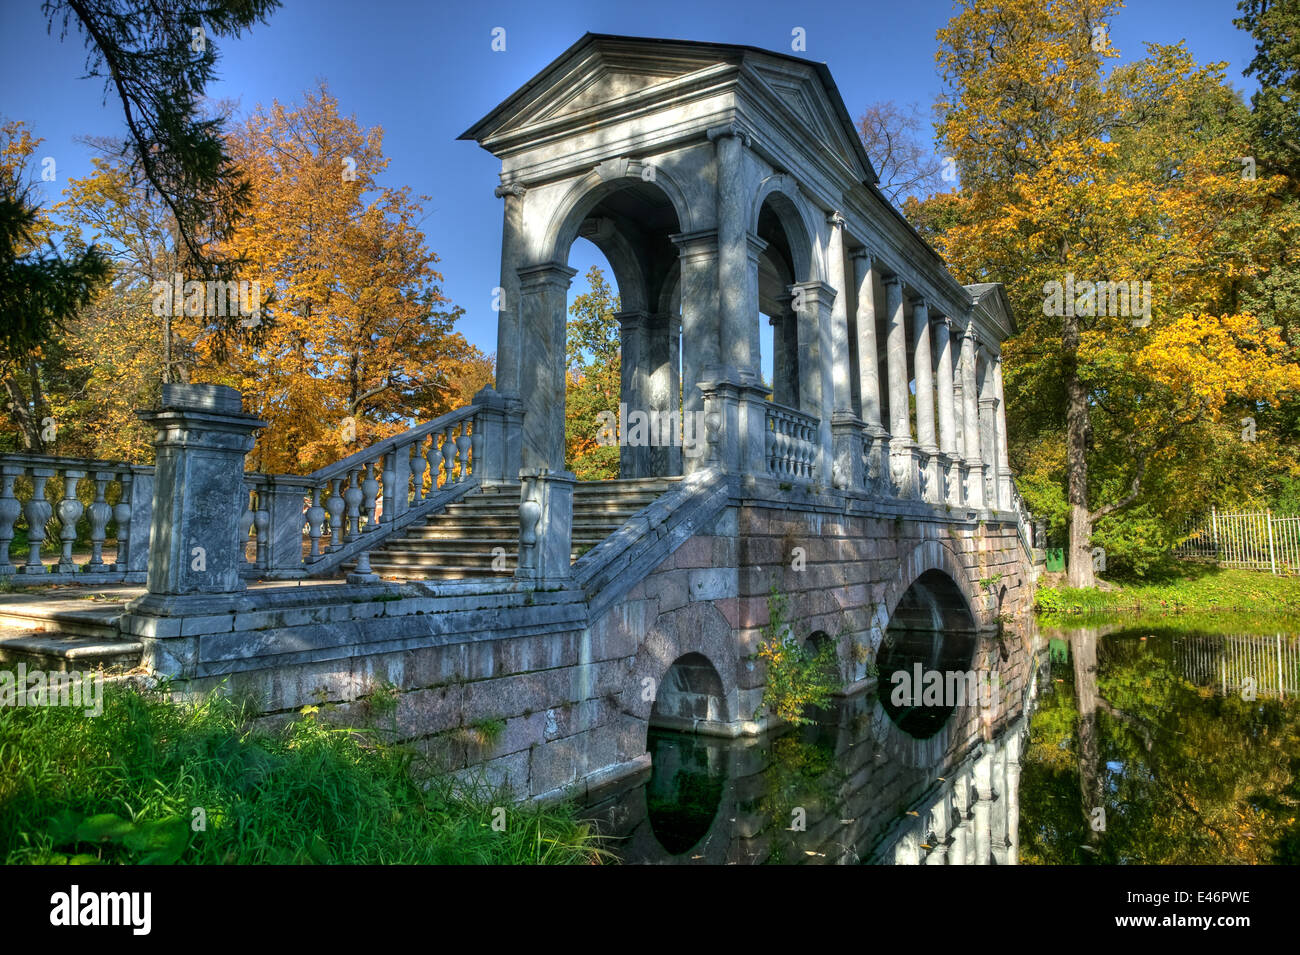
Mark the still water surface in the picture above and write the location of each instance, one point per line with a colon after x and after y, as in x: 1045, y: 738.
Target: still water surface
x: 1151, y: 741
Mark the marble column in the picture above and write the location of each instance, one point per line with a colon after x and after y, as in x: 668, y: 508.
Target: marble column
x: 923, y: 366
x: 634, y: 396
x: 785, y: 353
x: 815, y: 382
x: 841, y: 386
x: 901, y: 447
x: 874, y: 433
x: 1000, y: 420
x: 662, y: 349
x: 699, y: 278
x: 988, y: 410
x: 510, y: 341
x: 970, y: 420
x: 735, y: 296
x: 543, y: 307
x: 947, y: 411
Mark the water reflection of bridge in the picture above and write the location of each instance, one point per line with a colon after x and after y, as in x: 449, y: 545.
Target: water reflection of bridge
x: 853, y: 788
x: 1228, y: 661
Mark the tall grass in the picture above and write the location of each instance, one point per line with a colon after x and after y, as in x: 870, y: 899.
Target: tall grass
x: 156, y: 781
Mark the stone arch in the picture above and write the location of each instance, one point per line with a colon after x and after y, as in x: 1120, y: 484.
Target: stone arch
x: 585, y: 193
x: 629, y: 275
x: 927, y: 556
x: 697, y: 630
x: 930, y: 583
x: 791, y: 209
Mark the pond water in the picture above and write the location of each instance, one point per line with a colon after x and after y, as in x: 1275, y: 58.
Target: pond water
x: 1149, y: 741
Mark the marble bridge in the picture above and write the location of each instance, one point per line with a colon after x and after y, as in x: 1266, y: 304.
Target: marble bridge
x: 459, y: 566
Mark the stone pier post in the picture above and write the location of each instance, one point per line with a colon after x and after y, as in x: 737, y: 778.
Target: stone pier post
x: 202, y: 435
x: 545, y: 526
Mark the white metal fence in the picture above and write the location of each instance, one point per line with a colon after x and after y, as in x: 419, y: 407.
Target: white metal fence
x: 1256, y: 540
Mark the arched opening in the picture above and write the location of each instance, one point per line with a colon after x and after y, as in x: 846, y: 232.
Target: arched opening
x: 630, y: 222
x: 689, y: 693
x: 926, y: 656
x: 780, y: 265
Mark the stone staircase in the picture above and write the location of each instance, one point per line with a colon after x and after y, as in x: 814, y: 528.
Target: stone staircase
x: 462, y: 541
x: 62, y: 630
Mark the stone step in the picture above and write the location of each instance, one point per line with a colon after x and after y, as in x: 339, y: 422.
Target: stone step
x: 71, y: 617
x: 500, y: 528
x: 448, y: 558
x: 626, y: 502
x: 470, y: 545
x: 52, y: 650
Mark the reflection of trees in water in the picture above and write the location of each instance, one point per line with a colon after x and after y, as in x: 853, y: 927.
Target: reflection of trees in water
x: 1184, y: 775
x: 802, y: 773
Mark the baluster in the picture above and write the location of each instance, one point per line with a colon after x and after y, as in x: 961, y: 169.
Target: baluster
x: 122, y: 517
x: 100, y: 514
x: 434, y: 456
x: 69, y: 513
x: 37, y: 511
x: 769, y: 441
x: 462, y: 450
x: 316, y: 516
x: 335, y: 506
x: 475, y: 446
x: 353, y: 496
x: 246, y: 526
x: 262, y: 525
x: 10, y: 508
x: 417, y: 471
x: 448, y: 458
x: 369, y: 490
x: 390, y: 493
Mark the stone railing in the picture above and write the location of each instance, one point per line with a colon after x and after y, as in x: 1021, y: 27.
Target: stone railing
x: 52, y: 494
x: 792, y: 443
x: 298, y: 526
x: 1024, y: 519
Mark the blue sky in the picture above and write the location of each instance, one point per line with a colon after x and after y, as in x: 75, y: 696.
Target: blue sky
x: 426, y: 72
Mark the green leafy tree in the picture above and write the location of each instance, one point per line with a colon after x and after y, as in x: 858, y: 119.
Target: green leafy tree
x: 593, y: 379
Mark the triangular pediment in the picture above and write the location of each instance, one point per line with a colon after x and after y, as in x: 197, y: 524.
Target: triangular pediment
x: 603, y: 76
x: 597, y: 75
x: 798, y: 86
x: 605, y: 85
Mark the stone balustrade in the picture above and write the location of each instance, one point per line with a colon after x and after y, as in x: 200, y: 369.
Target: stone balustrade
x: 297, y: 526
x: 48, y: 496
x: 792, y: 444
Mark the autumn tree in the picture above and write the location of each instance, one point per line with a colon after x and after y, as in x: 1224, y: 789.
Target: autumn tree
x: 359, y: 338
x: 592, y: 379
x: 1133, y: 176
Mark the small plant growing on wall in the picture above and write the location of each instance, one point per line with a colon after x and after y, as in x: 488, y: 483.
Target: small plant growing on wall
x: 798, y: 676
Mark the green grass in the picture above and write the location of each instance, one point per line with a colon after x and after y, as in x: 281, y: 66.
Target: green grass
x: 124, y: 788
x: 1192, y: 588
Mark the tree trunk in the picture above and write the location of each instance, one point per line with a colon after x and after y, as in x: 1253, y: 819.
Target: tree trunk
x: 29, y: 424
x: 1079, y: 551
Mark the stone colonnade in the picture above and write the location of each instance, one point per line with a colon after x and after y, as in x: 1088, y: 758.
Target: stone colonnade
x: 874, y: 386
